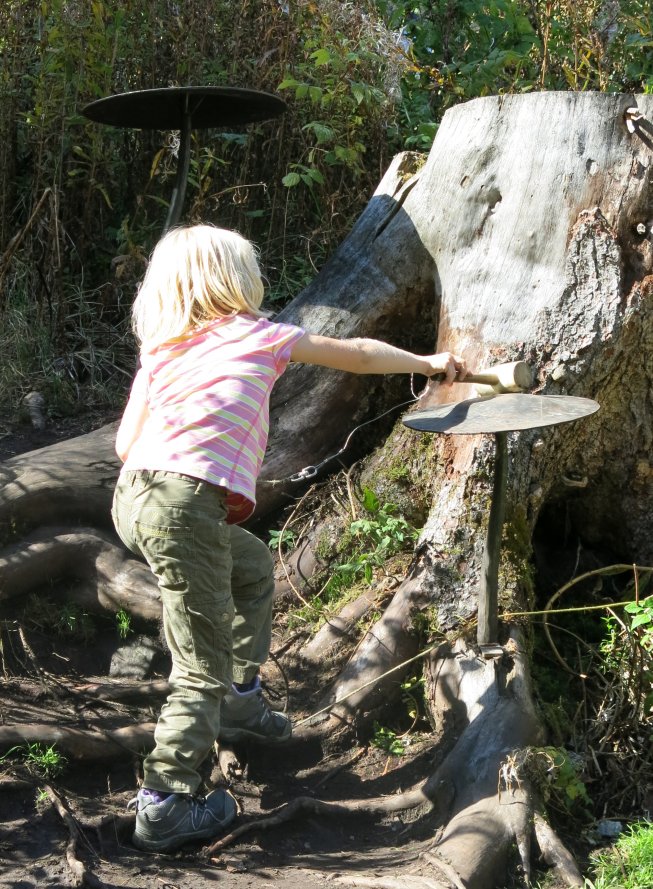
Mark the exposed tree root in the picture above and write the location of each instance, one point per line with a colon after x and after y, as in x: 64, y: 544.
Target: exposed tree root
x: 555, y: 854
x: 114, y: 579
x: 228, y: 762
x: 340, y: 630
x: 434, y: 793
x: 95, y: 746
x: 125, y: 692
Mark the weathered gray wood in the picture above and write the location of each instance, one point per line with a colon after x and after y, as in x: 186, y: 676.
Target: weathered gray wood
x: 378, y: 284
x: 69, y: 481
x: 536, y: 210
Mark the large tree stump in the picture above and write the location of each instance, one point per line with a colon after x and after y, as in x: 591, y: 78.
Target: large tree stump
x: 527, y: 234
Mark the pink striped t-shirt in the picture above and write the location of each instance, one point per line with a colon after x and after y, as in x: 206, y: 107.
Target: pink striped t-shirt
x: 208, y: 397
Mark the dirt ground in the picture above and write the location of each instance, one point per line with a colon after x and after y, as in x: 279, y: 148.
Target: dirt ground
x: 304, y: 853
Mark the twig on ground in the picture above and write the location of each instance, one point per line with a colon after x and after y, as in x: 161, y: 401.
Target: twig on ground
x: 360, y: 753
x: 80, y: 873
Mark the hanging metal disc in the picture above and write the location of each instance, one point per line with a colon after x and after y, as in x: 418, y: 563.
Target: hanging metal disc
x: 501, y: 413
x: 166, y: 108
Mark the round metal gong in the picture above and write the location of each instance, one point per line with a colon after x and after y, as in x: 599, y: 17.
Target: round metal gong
x: 184, y: 108
x: 501, y: 413
x: 167, y: 108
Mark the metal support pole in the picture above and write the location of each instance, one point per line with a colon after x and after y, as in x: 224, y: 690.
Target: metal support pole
x: 488, y: 595
x: 183, y: 165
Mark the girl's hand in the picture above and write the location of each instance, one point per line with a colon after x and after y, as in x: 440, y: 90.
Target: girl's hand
x: 452, y: 366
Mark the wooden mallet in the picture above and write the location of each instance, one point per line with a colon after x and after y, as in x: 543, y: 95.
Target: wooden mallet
x: 513, y: 377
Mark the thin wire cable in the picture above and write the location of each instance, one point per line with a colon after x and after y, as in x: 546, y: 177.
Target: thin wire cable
x: 607, y: 606
x: 311, y: 471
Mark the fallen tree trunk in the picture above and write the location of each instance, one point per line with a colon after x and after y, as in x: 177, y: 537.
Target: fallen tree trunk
x: 379, y: 284
x: 509, y: 257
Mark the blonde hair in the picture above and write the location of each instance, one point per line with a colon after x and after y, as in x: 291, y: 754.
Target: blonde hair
x: 196, y: 274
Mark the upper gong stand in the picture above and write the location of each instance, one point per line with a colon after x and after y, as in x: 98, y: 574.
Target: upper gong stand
x: 184, y: 108
x: 498, y: 414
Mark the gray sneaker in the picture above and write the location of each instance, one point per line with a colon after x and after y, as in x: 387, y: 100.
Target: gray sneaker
x: 246, y: 715
x: 180, y: 818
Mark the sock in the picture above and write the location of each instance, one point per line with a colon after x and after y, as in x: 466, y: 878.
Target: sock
x: 154, y: 796
x: 243, y: 687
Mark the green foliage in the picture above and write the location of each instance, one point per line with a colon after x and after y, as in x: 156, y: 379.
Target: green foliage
x: 387, y: 740
x: 556, y: 774
x: 628, y: 864
x: 627, y: 653
x: 78, y: 193
x: 41, y: 760
x: 123, y: 623
x: 66, y: 619
x: 412, y: 697
x: 462, y: 50
x: 284, y: 539
x: 601, y: 704
x: 564, y: 779
x: 337, y: 75
x: 47, y: 762
x: 362, y: 80
x: 375, y: 538
x: 360, y: 555
x: 642, y: 619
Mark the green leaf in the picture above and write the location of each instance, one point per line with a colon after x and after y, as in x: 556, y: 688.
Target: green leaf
x: 288, y: 83
x: 323, y: 133
x: 639, y: 620
x: 104, y: 194
x: 291, y: 179
x: 316, y: 175
x: 321, y: 56
x: 359, y: 92
x: 370, y: 500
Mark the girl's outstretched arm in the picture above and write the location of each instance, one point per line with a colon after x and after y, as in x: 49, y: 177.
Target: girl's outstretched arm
x: 364, y: 356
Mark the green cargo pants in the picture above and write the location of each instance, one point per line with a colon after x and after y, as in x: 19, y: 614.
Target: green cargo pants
x: 216, y: 584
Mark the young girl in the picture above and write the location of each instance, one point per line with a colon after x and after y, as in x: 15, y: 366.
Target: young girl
x: 192, y: 439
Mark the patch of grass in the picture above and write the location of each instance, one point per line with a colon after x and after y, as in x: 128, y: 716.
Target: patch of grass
x: 123, y: 623
x: 66, y: 619
x: 39, y: 759
x: 44, y: 761
x: 86, y: 362
x: 628, y: 864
